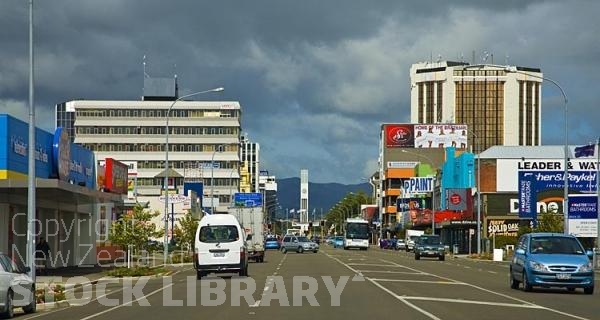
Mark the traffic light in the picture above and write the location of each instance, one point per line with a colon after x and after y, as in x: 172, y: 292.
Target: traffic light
x: 322, y: 223
x: 310, y: 225
x: 269, y: 226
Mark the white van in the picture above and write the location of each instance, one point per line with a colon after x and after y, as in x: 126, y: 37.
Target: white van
x: 220, y: 246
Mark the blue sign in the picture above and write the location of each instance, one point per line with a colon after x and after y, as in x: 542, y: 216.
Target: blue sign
x: 583, y: 207
x: 248, y: 200
x: 527, y: 196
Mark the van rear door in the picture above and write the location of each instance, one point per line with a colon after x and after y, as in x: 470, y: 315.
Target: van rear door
x: 219, y: 245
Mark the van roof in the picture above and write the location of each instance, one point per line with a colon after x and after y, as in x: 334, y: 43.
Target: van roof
x: 218, y: 219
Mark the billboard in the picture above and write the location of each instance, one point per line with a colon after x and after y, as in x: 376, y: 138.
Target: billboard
x: 426, y: 135
x: 115, y: 176
x: 583, y: 215
x: 250, y: 199
x: 456, y: 199
x: 418, y: 185
x: 503, y: 227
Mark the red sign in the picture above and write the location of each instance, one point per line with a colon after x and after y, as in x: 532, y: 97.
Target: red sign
x: 455, y: 199
x: 399, y: 135
x: 115, y: 175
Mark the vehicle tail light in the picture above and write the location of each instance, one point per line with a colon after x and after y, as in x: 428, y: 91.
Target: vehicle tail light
x: 242, y: 254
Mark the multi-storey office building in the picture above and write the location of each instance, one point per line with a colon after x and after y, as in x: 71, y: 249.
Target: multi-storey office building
x: 204, y: 143
x: 250, y: 157
x: 500, y: 105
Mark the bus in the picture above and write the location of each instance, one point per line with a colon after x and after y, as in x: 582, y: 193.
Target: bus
x: 356, y: 234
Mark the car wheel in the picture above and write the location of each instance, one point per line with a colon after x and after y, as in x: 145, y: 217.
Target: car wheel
x: 417, y: 257
x: 9, y: 312
x: 31, y: 308
x: 514, y: 284
x: 526, y: 286
x: 589, y: 290
x: 442, y: 258
x: 200, y: 274
x: 243, y: 271
x: 316, y: 251
x: 300, y: 250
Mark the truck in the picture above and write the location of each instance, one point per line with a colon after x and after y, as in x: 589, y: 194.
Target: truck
x: 252, y: 220
x: 411, y: 236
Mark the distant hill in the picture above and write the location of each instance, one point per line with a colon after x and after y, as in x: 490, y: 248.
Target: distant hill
x: 321, y: 196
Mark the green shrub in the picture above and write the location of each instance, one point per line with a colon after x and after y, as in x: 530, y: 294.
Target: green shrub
x: 51, y: 293
x: 181, y: 258
x: 135, y: 272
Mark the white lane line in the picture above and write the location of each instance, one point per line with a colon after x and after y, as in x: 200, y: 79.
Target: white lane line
x: 268, y: 283
x: 370, y: 264
x: 406, y: 302
x: 128, y: 303
x: 415, y: 281
x: 505, y: 296
x: 494, y: 272
x: 496, y: 304
x: 394, y: 272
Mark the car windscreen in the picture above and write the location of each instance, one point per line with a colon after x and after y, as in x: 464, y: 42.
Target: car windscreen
x: 357, y: 230
x: 429, y: 240
x: 555, y: 245
x: 303, y: 239
x: 218, y: 233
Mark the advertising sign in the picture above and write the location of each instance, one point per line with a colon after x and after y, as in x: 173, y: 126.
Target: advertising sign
x: 456, y: 199
x: 115, y: 175
x: 251, y: 199
x: 426, y: 135
x: 405, y: 204
x: 418, y: 185
x: 583, y: 215
x: 440, y: 136
x: 503, y: 227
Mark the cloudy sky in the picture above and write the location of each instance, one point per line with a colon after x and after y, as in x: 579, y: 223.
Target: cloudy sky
x: 315, y: 78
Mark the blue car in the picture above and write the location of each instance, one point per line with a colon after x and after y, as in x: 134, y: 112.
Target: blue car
x: 338, y: 242
x: 551, y: 260
x: 271, y: 243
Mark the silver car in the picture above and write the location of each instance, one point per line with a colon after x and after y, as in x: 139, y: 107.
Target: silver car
x: 17, y: 289
x: 298, y: 244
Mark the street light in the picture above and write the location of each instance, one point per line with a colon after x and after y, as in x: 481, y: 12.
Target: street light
x: 512, y: 69
x: 478, y: 195
x: 166, y: 181
x: 433, y: 189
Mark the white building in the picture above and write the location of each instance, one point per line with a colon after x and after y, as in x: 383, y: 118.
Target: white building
x: 204, y: 142
x: 501, y: 106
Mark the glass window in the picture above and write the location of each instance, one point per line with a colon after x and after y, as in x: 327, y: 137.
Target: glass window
x: 218, y: 233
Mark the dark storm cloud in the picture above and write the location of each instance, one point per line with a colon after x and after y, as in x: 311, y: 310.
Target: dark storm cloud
x: 315, y: 78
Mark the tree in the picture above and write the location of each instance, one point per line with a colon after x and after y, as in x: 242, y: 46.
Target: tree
x: 135, y: 229
x: 546, y: 222
x: 185, y: 232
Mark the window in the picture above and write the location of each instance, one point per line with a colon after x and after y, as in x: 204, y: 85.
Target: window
x: 218, y: 234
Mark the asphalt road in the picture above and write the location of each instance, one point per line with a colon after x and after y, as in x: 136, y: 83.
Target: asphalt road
x: 332, y: 284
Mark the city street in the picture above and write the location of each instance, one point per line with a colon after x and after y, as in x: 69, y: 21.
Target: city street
x: 373, y: 284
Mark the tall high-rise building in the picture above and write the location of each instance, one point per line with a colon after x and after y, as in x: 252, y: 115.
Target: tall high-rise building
x: 204, y: 142
x: 303, y: 196
x: 499, y: 107
x: 250, y: 157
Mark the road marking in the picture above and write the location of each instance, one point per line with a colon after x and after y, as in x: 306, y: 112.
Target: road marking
x: 128, y: 303
x: 413, y: 281
x: 496, y: 304
x: 494, y: 272
x: 370, y: 264
x: 394, y: 272
x: 406, y: 302
x: 503, y: 295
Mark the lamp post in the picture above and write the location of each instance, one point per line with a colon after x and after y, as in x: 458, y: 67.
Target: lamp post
x: 478, y: 195
x: 166, y: 181
x: 433, y: 189
x: 513, y: 69
x: 219, y: 148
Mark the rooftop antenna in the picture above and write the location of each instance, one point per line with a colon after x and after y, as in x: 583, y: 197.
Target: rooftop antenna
x: 144, y: 62
x: 485, y: 56
x: 439, y: 58
x: 462, y: 57
x: 506, y: 57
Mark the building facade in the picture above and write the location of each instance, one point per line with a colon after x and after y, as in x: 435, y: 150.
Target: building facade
x: 500, y: 105
x: 203, y: 136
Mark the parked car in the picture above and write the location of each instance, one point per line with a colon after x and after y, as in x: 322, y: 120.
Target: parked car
x: 338, y: 242
x: 298, y: 244
x: 551, y: 260
x: 316, y: 239
x: 271, y: 242
x: 429, y: 246
x: 17, y: 289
